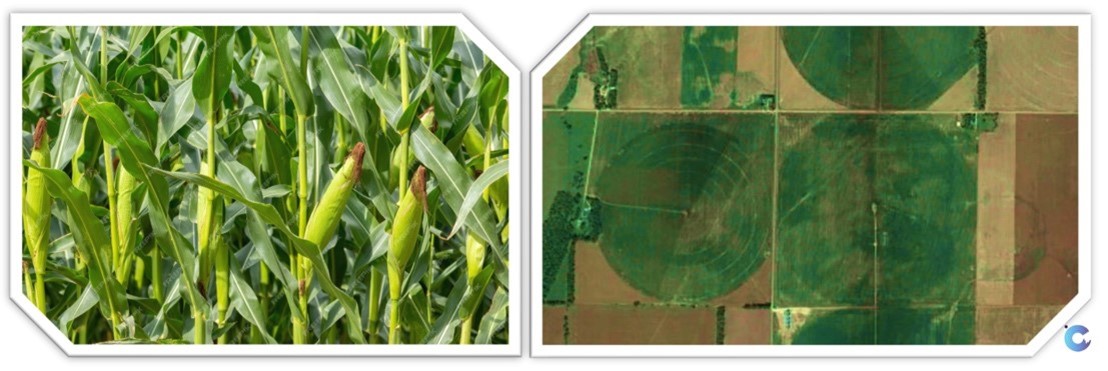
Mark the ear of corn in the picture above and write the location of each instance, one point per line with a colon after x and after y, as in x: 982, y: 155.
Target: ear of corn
x: 205, y: 220
x: 36, y: 212
x: 274, y: 280
x: 475, y: 256
x: 327, y: 214
x: 405, y: 231
x: 125, y: 191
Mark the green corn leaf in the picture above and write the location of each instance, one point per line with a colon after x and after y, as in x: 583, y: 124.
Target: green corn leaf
x: 135, y: 37
x: 263, y: 246
x: 473, y: 196
x: 94, y: 85
x: 36, y: 72
x: 144, y: 114
x: 443, y: 330
x: 442, y: 42
x: 495, y: 318
x: 475, y: 292
x: 247, y: 84
x: 274, y: 42
x: 270, y: 215
x: 455, y: 183
x: 178, y: 109
x: 399, y: 118
x: 84, y: 302
x: 213, y: 75
x: 92, y: 240
x: 338, y: 81
x: 72, y: 125
x: 137, y: 157
x: 246, y: 303
x: 158, y: 327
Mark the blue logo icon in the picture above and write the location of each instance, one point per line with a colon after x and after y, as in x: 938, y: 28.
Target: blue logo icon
x: 1077, y: 329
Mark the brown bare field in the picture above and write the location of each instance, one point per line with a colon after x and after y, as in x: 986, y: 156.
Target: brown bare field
x: 1046, y: 209
x: 748, y: 326
x: 960, y: 96
x: 1011, y: 325
x: 593, y: 324
x: 1032, y: 69
x: 555, y: 81
x: 757, y: 69
x: 996, y: 206
x: 794, y: 92
x: 553, y: 325
x: 598, y: 283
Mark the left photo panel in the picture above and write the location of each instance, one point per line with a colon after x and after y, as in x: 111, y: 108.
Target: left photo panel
x: 249, y: 183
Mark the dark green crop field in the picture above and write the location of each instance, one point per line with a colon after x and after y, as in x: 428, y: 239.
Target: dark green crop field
x: 808, y: 185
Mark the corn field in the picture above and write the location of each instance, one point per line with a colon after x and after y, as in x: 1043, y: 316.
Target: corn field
x: 265, y: 185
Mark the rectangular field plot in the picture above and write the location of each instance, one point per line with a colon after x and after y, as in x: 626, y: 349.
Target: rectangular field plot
x: 810, y: 185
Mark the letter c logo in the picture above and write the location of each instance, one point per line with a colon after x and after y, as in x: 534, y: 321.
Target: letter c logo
x: 1085, y: 342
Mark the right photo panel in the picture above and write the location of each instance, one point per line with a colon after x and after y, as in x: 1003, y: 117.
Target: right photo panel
x: 781, y: 185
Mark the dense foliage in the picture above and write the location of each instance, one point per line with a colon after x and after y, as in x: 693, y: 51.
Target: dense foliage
x: 265, y: 184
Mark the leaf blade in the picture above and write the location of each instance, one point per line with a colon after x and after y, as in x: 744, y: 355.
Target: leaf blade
x: 473, y: 196
x: 273, y: 42
x: 454, y: 181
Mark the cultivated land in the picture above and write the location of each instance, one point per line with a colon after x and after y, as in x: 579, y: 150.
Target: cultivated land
x: 757, y: 185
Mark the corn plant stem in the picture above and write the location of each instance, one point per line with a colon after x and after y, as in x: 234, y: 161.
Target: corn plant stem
x: 263, y: 302
x: 40, y: 289
x: 82, y: 330
x: 467, y: 327
x: 199, y: 328
x: 217, y: 247
x: 374, y: 303
x: 405, y: 140
x: 222, y: 270
x: 156, y: 273
x: 302, y: 220
x: 404, y: 102
x: 109, y: 169
x: 467, y: 324
x: 298, y: 328
x: 404, y: 99
x: 109, y: 180
x: 429, y: 279
x: 29, y: 287
x: 263, y: 269
x: 405, y: 135
x: 394, y: 320
x: 109, y: 177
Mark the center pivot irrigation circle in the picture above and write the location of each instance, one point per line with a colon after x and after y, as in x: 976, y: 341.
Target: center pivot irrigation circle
x: 686, y: 211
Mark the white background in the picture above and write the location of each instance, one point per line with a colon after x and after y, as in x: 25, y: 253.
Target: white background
x: 526, y: 30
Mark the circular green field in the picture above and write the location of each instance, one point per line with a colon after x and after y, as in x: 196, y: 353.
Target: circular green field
x: 685, y: 212
x: 883, y: 67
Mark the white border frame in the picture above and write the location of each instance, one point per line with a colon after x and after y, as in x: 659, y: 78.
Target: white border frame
x: 15, y: 230
x: 1084, y: 292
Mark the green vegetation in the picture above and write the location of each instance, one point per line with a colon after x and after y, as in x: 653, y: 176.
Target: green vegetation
x: 265, y: 184
x: 891, y: 68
